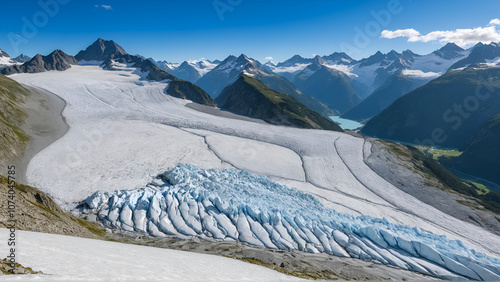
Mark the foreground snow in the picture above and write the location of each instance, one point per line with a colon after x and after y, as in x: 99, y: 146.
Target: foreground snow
x: 64, y: 258
x: 237, y: 205
x: 124, y: 131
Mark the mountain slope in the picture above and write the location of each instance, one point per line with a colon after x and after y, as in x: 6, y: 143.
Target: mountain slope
x: 445, y: 112
x: 6, y: 60
x: 482, y: 155
x: 249, y: 96
x: 193, y: 70
x: 394, y: 87
x: 12, y: 116
x: 57, y: 60
x: 231, y: 69
x: 329, y: 86
x: 186, y: 90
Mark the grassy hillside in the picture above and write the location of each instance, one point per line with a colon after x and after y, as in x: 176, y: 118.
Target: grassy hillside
x: 432, y: 169
x: 37, y: 212
x: 249, y: 96
x: 13, y: 140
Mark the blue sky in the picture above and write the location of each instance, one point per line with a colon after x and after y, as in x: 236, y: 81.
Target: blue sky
x: 181, y: 30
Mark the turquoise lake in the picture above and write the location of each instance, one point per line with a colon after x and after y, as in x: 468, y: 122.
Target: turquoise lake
x: 346, y: 123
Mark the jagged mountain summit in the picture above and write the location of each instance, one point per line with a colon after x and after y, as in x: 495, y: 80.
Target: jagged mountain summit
x: 165, y: 65
x: 101, y: 50
x: 22, y: 58
x: 329, y: 86
x: 193, y: 70
x: 6, y: 60
x: 57, y: 60
x: 112, y: 56
x: 369, y: 74
x: 229, y: 70
x: 249, y: 96
x: 479, y: 54
x: 226, y: 73
x: 449, y: 51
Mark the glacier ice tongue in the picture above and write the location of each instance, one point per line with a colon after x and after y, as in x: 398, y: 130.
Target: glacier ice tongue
x: 231, y: 204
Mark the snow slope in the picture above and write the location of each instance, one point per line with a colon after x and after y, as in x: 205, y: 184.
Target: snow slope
x: 64, y: 258
x: 124, y: 131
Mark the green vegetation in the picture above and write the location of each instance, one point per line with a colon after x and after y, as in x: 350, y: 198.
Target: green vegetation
x: 432, y: 169
x: 439, y: 153
x: 480, y: 188
x: 35, y: 211
x: 12, y: 116
x: 249, y: 96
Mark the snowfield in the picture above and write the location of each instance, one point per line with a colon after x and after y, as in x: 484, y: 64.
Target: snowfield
x: 125, y: 131
x: 64, y: 258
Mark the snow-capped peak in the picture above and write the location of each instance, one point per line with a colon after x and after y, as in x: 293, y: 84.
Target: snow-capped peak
x: 6, y: 60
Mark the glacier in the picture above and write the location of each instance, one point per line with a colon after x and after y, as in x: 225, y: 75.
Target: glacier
x: 232, y: 204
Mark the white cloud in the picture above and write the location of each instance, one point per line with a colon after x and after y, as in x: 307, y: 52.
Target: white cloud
x: 106, y: 7
x: 495, y: 22
x: 461, y: 37
x: 269, y: 58
x: 410, y: 32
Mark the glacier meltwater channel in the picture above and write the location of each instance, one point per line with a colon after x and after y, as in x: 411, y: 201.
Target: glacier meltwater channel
x: 230, y: 203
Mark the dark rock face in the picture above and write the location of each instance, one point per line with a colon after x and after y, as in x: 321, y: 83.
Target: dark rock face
x: 249, y: 96
x: 101, y: 50
x: 186, y: 90
x: 57, y: 60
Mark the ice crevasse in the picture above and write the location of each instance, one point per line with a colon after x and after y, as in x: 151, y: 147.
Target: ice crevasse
x: 230, y: 204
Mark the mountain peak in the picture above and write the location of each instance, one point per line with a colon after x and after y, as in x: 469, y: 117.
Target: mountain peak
x: 3, y: 53
x: 22, y: 58
x: 449, y: 51
x: 101, y: 50
x: 243, y: 57
x: 57, y: 60
x: 338, y: 57
x: 451, y: 47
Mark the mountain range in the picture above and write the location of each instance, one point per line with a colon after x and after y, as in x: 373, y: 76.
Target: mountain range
x: 405, y: 97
